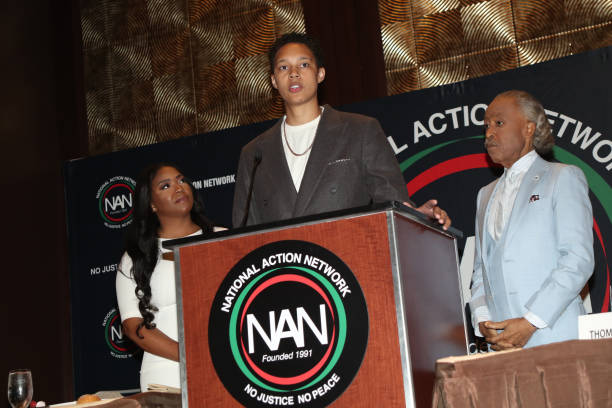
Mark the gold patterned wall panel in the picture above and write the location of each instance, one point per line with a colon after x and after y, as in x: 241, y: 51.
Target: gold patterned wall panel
x: 487, y: 25
x: 398, y: 56
x: 157, y: 70
x: 429, y: 43
x: 394, y: 11
x: 438, y: 36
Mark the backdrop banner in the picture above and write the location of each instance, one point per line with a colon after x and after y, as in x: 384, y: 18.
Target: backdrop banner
x: 437, y: 135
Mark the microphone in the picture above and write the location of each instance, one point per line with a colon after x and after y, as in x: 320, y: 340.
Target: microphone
x: 256, y: 162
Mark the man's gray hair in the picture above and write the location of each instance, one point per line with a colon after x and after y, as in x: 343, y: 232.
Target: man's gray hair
x: 543, y: 139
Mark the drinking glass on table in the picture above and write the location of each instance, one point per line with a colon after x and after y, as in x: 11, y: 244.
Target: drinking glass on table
x: 20, y: 388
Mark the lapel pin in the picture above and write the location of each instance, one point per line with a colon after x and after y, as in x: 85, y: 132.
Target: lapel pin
x: 534, y: 197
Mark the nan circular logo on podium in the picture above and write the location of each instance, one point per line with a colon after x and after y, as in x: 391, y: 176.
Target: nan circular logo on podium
x: 288, y: 326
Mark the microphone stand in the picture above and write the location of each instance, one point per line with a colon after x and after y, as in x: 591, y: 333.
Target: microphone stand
x: 256, y: 163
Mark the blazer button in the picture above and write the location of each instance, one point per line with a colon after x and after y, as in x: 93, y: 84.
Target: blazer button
x: 333, y: 190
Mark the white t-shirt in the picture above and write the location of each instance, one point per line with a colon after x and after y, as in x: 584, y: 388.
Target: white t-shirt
x: 300, y: 138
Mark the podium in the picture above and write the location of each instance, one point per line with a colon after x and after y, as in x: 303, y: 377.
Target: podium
x: 349, y: 310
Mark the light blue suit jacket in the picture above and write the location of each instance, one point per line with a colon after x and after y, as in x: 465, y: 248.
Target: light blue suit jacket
x: 543, y: 258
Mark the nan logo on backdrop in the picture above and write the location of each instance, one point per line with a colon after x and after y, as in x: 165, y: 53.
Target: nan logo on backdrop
x: 115, y: 198
x: 288, y: 326
x: 119, y: 345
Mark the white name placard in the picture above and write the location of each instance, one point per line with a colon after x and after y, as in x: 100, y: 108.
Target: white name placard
x: 595, y: 326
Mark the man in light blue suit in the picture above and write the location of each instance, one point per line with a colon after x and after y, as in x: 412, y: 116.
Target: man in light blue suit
x: 534, y: 239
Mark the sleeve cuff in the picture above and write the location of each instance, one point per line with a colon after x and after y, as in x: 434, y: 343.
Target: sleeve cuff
x: 535, y: 320
x: 480, y: 314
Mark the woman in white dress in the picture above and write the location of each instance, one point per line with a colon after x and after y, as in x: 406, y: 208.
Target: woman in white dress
x: 165, y: 208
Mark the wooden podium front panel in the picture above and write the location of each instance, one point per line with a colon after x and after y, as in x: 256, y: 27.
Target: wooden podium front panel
x: 431, y: 299
x: 362, y: 243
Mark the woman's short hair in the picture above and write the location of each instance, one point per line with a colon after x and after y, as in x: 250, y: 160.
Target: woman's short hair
x: 300, y: 38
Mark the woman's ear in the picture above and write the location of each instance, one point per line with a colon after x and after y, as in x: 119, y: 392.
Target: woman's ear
x: 320, y: 75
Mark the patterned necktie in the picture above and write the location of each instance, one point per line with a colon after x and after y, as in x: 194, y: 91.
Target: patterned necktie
x: 503, y: 205
x: 498, y: 223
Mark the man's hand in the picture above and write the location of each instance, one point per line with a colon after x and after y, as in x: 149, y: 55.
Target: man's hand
x: 431, y: 209
x: 485, y: 331
x: 515, y: 333
x: 488, y: 334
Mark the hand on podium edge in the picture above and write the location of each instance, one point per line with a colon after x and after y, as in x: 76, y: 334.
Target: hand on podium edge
x: 431, y: 209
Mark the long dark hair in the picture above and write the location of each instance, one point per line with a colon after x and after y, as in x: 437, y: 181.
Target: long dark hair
x: 142, y: 239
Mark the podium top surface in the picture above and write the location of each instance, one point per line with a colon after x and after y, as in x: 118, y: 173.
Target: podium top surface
x: 309, y: 219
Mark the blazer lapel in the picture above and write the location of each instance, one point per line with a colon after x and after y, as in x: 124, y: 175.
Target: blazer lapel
x: 528, y: 185
x: 321, y: 154
x: 275, y: 164
x: 483, y: 217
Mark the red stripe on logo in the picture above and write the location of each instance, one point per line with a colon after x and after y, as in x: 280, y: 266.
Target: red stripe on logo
x: 467, y: 162
x: 606, y: 302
